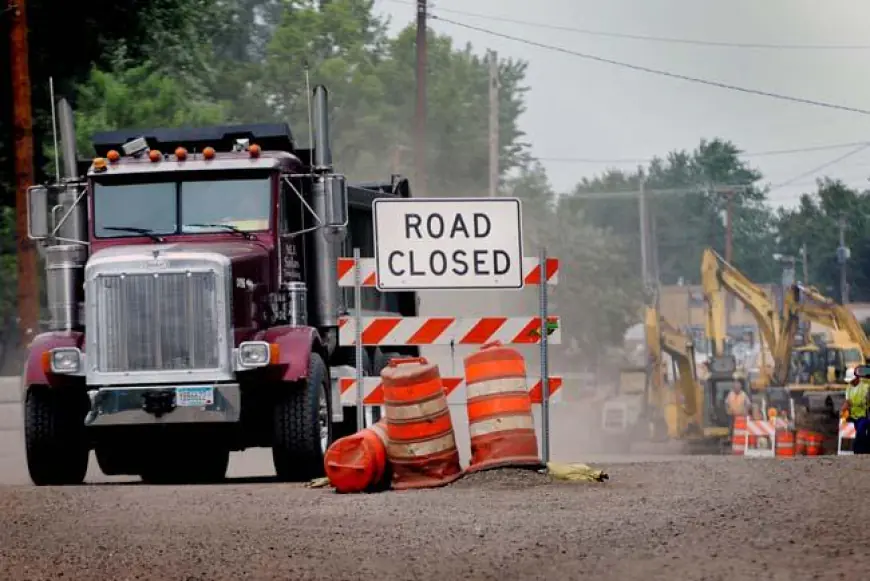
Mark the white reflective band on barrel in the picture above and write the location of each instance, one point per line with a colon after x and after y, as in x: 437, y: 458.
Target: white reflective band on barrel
x: 416, y: 410
x: 411, y: 450
x: 495, y: 386
x: 503, y: 424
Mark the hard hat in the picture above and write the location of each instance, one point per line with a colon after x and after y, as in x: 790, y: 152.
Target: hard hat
x: 850, y: 375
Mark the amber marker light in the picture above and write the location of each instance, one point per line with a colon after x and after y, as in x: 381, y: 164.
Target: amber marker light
x: 208, y: 153
x: 100, y: 164
x: 113, y: 156
x: 254, y: 150
x: 180, y: 154
x: 154, y: 155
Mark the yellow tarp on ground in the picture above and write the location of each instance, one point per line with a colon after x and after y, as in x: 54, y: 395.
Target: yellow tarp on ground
x: 574, y: 472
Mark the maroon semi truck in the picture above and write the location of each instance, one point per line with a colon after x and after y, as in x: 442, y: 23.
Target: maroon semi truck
x: 191, y: 277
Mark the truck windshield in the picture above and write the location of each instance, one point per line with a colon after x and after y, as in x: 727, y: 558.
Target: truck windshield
x: 216, y: 205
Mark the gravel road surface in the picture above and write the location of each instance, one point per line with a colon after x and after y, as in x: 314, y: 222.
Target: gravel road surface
x: 665, y: 518
x: 700, y: 518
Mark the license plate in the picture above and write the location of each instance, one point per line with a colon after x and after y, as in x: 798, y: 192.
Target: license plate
x: 198, y: 396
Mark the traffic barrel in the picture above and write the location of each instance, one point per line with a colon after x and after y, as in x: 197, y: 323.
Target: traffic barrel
x: 500, y: 422
x: 358, y: 463
x: 421, y: 445
x: 738, y: 436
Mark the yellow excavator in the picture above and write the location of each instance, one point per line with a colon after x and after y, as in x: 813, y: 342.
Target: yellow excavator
x: 718, y: 277
x: 690, y: 411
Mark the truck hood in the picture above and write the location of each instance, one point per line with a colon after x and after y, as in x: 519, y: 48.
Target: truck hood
x: 237, y: 253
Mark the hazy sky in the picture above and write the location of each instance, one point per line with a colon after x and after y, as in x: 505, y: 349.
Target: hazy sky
x: 583, y: 109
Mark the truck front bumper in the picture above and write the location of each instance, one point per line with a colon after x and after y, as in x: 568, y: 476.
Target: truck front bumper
x: 161, y: 404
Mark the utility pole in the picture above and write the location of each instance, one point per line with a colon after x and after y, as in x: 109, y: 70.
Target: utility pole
x: 644, y: 234
x: 806, y: 267
x: 22, y: 123
x: 493, y: 124
x: 843, y: 254
x: 420, y: 126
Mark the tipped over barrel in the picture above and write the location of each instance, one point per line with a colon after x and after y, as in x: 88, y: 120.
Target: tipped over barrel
x: 358, y: 463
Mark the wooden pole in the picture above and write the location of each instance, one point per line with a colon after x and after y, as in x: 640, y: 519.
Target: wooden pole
x: 22, y: 123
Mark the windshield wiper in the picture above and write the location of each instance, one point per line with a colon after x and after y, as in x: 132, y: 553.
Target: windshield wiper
x: 144, y: 231
x: 236, y: 229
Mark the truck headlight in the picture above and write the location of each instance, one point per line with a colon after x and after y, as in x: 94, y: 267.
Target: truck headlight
x: 255, y: 354
x: 65, y: 360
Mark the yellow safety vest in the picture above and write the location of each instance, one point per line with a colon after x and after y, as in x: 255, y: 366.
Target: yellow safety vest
x: 857, y: 397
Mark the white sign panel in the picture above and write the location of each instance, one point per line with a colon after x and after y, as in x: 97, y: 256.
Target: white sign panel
x: 448, y: 243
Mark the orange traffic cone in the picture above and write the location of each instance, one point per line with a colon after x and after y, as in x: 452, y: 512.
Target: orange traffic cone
x: 500, y: 421
x: 422, y: 446
x: 358, y: 463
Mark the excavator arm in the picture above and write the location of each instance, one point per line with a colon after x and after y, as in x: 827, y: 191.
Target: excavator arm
x: 820, y: 309
x: 663, y: 338
x: 718, y: 276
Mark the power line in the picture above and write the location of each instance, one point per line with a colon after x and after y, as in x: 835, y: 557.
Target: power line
x: 647, y: 37
x: 825, y: 165
x: 742, y: 154
x: 659, y: 72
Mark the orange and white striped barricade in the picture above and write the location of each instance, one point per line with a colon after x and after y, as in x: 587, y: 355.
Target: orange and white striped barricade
x: 531, y: 271
x: 765, y: 433
x: 371, y: 329
x: 846, y: 432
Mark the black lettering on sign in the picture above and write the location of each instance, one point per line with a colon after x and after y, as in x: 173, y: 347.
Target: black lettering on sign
x: 393, y: 270
x: 438, y: 262
x: 503, y: 266
x: 459, y: 257
x: 482, y: 225
x: 435, y: 226
x: 412, y: 221
x: 480, y: 262
x: 459, y: 226
x: 413, y: 271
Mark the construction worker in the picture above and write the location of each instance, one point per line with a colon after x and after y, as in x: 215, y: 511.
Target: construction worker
x: 737, y: 403
x: 855, y: 410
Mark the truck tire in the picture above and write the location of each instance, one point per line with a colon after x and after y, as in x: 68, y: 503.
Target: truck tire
x: 302, y: 426
x: 54, y: 435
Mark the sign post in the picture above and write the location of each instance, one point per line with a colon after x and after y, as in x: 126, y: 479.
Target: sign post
x: 545, y: 377
x: 357, y: 307
x: 448, y: 244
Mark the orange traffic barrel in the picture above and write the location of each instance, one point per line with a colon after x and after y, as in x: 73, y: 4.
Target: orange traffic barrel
x: 801, y: 442
x: 813, y: 442
x: 421, y: 445
x: 738, y: 438
x: 358, y: 463
x: 500, y: 422
x: 785, y: 444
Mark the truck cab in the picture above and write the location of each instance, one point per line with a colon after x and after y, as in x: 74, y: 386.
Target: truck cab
x: 192, y: 283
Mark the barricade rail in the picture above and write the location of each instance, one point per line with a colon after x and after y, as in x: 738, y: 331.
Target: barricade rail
x: 846, y: 432
x: 359, y: 331
x: 760, y: 429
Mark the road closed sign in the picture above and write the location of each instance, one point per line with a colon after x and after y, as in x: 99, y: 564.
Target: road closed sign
x: 448, y: 243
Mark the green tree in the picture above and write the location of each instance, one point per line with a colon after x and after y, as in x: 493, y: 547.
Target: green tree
x: 683, y: 224
x: 814, y: 222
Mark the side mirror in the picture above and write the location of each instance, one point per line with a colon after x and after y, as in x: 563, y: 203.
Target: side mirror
x: 863, y: 371
x: 37, y: 213
x: 335, y: 219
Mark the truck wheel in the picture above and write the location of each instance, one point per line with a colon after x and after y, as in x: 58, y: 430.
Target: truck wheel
x: 54, y: 435
x: 303, y: 426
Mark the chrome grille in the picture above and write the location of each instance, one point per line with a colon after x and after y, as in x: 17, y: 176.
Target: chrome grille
x: 154, y: 322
